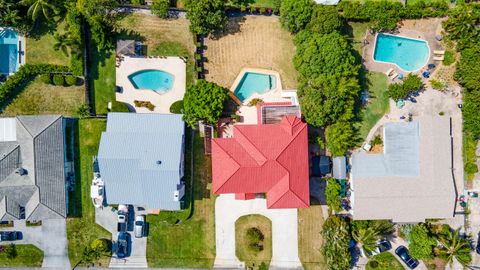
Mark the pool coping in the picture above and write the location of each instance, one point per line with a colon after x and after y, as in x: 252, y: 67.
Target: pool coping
x: 278, y: 86
x: 21, y: 38
x: 391, y: 63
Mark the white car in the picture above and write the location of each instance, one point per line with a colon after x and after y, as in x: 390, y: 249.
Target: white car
x: 139, y: 225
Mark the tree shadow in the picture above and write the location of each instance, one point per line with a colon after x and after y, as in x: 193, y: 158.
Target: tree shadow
x: 42, y: 27
x: 130, y: 34
x: 75, y: 197
x: 232, y: 26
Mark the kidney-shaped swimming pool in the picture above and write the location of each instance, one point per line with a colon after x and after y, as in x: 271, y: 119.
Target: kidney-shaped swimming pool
x: 152, y: 79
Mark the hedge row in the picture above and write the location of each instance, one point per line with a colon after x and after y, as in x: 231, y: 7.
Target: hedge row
x: 59, y: 79
x: 24, y: 74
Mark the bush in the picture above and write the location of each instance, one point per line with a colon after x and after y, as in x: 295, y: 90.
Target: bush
x: 437, y: 84
x: 256, y: 247
x: 137, y: 2
x: 58, y: 80
x: 377, y: 140
x: 71, y: 80
x: 177, y: 107
x: 332, y: 194
x: 100, y: 245
x: 295, y: 14
x: 76, y: 64
x: 255, y: 235
x: 373, y: 264
x: 255, y: 101
x: 160, y: 8
x: 470, y: 168
x: 11, y: 251
x: 83, y: 111
x: 146, y: 104
x: 46, y: 78
x: 449, y: 58
x: 398, y: 91
x: 340, y: 137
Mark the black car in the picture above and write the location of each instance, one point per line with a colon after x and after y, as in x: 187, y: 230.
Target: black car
x: 384, y: 245
x: 402, y: 252
x: 10, y: 236
x: 477, y: 249
x: 122, y: 244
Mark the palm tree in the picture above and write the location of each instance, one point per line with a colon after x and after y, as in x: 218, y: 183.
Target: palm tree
x: 367, y: 239
x: 452, y: 245
x: 38, y: 7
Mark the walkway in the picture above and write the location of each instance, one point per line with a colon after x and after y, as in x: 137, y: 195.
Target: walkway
x: 50, y: 237
x: 284, y: 232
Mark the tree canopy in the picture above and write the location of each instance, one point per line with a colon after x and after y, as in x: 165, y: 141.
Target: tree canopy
x: 102, y: 19
x: 421, y: 242
x: 332, y: 194
x: 324, y: 20
x: 160, y: 8
x: 340, y: 137
x: 206, y: 16
x: 336, y: 240
x: 295, y: 14
x: 203, y: 101
x: 398, y: 91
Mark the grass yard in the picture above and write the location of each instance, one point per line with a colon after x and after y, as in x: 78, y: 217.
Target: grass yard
x: 41, y: 98
x: 81, y: 226
x: 469, y: 156
x: 357, y: 30
x: 242, y: 241
x: 384, y: 261
x: 251, y: 42
x: 378, y: 104
x: 310, y: 222
x: 191, y: 242
x: 40, y: 50
x: 27, y: 256
x: 102, y: 72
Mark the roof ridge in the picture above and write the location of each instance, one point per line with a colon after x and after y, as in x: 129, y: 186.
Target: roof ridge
x: 47, y: 127
x: 236, y: 163
x: 289, y: 143
x: 256, y: 149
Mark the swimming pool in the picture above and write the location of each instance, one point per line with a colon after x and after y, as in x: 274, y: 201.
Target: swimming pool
x: 8, y: 51
x: 254, y: 83
x: 152, y: 79
x: 408, y: 54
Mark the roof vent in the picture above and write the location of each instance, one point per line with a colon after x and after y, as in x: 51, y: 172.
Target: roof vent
x: 21, y: 171
x: 159, y: 162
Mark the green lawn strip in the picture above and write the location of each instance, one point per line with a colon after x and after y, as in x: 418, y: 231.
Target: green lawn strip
x: 176, y: 49
x: 358, y: 31
x: 41, y: 98
x: 39, y: 50
x: 102, y: 73
x: 191, y: 242
x: 385, y: 261
x: 376, y: 84
x: 242, y: 249
x: 27, y: 256
x: 469, y: 155
x: 263, y: 3
x: 449, y: 58
x: 412, y: 2
x: 81, y: 226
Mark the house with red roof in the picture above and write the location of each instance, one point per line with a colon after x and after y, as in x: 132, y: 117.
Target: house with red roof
x: 270, y: 159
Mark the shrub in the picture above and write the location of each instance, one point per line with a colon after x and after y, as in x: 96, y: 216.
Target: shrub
x: 332, y: 194
x: 235, y: 117
x: 256, y: 247
x: 449, y: 58
x: 203, y: 101
x: 11, y: 251
x: 146, y: 104
x: 177, y: 107
x: 262, y: 10
x: 441, y: 113
x: 340, y: 137
x: 470, y: 168
x: 71, y: 80
x: 76, y: 64
x: 58, y: 79
x: 398, y: 91
x: 255, y: 101
x: 373, y: 264
x: 83, y: 111
x: 255, y: 235
x: 160, y: 8
x: 437, y: 84
x: 206, y: 16
x: 377, y: 140
x: 421, y: 242
x: 100, y: 245
x: 46, y: 78
x: 137, y: 2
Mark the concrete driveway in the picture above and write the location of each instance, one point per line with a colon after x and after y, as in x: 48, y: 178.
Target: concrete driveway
x: 284, y: 232
x: 107, y: 218
x: 51, y: 237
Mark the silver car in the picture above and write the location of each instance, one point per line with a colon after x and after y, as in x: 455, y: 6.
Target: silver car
x: 139, y: 225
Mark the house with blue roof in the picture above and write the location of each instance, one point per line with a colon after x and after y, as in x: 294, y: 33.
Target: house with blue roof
x: 141, y: 160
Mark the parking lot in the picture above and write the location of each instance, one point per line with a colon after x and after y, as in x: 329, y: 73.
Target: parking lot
x: 136, y: 257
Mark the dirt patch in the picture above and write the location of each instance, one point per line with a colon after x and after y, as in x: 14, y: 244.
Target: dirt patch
x: 254, y: 42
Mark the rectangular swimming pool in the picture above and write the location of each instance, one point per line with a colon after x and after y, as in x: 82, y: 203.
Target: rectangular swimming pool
x: 8, y: 51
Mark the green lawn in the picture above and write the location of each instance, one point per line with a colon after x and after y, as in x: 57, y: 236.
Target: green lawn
x: 242, y: 242
x: 469, y: 155
x: 102, y: 73
x: 41, y: 98
x: 357, y: 30
x: 384, y: 261
x: 27, y: 256
x: 81, y: 226
x: 40, y: 50
x: 263, y: 3
x: 411, y: 2
x: 376, y: 84
x: 191, y: 242
x: 310, y: 223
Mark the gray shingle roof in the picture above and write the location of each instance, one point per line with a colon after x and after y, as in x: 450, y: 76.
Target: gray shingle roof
x: 412, y: 180
x: 39, y: 149
x: 139, y: 159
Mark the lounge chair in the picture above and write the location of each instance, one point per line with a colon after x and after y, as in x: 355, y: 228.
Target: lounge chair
x: 438, y: 58
x: 441, y: 52
x: 389, y: 71
x: 393, y: 75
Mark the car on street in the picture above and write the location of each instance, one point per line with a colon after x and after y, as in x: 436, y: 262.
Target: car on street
x: 402, y: 252
x: 10, y: 236
x: 122, y: 244
x: 139, y: 226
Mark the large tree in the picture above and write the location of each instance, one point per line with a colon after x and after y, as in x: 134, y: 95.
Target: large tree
x: 160, y: 8
x: 325, y: 19
x: 454, y: 246
x: 203, y: 101
x: 367, y: 233
x: 101, y: 16
x: 295, y: 14
x: 340, y: 137
x: 421, y: 242
x: 336, y: 241
x: 332, y: 194
x: 206, y: 16
x: 38, y: 8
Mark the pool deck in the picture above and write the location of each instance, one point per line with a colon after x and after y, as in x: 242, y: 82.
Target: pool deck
x: 162, y: 101
x: 424, y: 29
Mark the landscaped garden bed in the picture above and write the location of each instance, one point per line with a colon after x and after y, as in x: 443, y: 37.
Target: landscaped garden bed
x: 20, y: 256
x: 253, y: 241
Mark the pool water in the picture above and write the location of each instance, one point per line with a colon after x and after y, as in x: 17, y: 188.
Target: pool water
x: 254, y: 83
x: 152, y: 79
x: 8, y: 51
x: 408, y: 54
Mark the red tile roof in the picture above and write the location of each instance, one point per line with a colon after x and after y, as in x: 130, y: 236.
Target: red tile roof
x: 270, y: 158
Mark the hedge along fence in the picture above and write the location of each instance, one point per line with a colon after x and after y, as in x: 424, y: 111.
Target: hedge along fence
x: 24, y: 75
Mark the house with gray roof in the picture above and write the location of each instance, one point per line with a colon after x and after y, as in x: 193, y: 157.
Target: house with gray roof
x: 32, y: 168
x: 412, y: 180
x: 141, y: 160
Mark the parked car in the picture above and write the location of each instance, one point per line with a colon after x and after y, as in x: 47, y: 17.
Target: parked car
x: 477, y: 249
x: 122, y: 218
x: 139, y: 226
x: 10, y: 236
x: 383, y: 245
x: 122, y: 244
x: 402, y: 252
